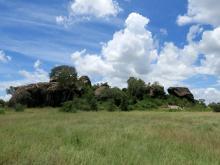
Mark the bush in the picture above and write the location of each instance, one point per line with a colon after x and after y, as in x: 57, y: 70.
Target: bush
x: 198, y: 107
x: 111, y: 107
x: 2, y: 111
x: 19, y: 108
x: 93, y: 104
x: 90, y: 99
x: 215, y: 107
x: 114, y: 94
x: 68, y: 107
x: 173, y: 100
x: 145, y: 105
x: 155, y: 90
x: 65, y: 75
x: 80, y: 104
x: 149, y: 103
x: 2, y: 103
x: 124, y: 104
x: 136, y: 88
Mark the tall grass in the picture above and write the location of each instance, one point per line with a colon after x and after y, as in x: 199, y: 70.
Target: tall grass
x: 46, y: 136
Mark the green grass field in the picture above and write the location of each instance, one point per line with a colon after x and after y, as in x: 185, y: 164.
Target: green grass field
x: 49, y: 137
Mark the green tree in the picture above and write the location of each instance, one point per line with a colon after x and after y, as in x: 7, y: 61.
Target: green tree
x: 65, y: 75
x: 136, y: 88
x: 111, y: 105
x: 2, y: 103
x: 115, y: 94
x: 215, y: 107
x: 156, y: 90
x: 89, y: 96
x: 124, y: 104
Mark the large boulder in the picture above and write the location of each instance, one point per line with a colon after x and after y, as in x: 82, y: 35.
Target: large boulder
x: 155, y: 91
x: 85, y: 81
x: 30, y: 95
x: 41, y: 94
x: 181, y: 92
x: 100, y: 89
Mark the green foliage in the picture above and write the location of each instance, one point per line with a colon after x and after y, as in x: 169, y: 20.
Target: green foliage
x: 111, y: 107
x: 19, y: 108
x: 2, y: 103
x: 65, y: 75
x: 172, y: 100
x: 80, y: 104
x: 90, y: 99
x: 145, y: 105
x: 114, y: 94
x: 155, y: 90
x: 215, y: 107
x: 136, y: 88
x: 93, y: 104
x: 55, y: 72
x: 124, y: 104
x: 198, y: 106
x: 149, y: 103
x: 68, y: 107
x: 2, y: 111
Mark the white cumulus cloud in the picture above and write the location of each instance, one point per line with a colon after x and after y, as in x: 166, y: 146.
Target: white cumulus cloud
x: 129, y: 53
x: 201, y: 11
x: 96, y: 8
x: 84, y: 10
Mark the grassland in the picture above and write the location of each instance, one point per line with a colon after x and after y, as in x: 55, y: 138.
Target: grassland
x: 49, y: 137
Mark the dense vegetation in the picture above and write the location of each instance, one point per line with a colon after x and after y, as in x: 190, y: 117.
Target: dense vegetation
x: 74, y: 94
x: 215, y: 107
x: 137, y: 96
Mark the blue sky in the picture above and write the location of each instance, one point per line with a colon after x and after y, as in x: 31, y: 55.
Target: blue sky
x: 33, y: 40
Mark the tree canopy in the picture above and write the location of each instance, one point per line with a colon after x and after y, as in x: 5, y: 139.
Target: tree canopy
x: 65, y: 75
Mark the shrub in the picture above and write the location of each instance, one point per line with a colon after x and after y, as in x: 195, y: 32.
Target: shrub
x: 2, y: 103
x: 199, y: 107
x: 65, y: 75
x: 19, y: 108
x: 136, y: 88
x: 79, y: 104
x: 93, y: 104
x: 124, y: 104
x: 114, y: 94
x: 2, y: 111
x: 111, y: 107
x: 90, y: 99
x: 68, y: 107
x: 173, y: 100
x: 215, y: 107
x: 155, y: 90
x: 57, y: 71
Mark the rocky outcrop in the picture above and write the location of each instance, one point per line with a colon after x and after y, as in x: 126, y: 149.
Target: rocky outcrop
x: 156, y: 91
x: 181, y: 92
x: 48, y: 93
x: 42, y: 94
x: 101, y: 89
x: 85, y: 81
